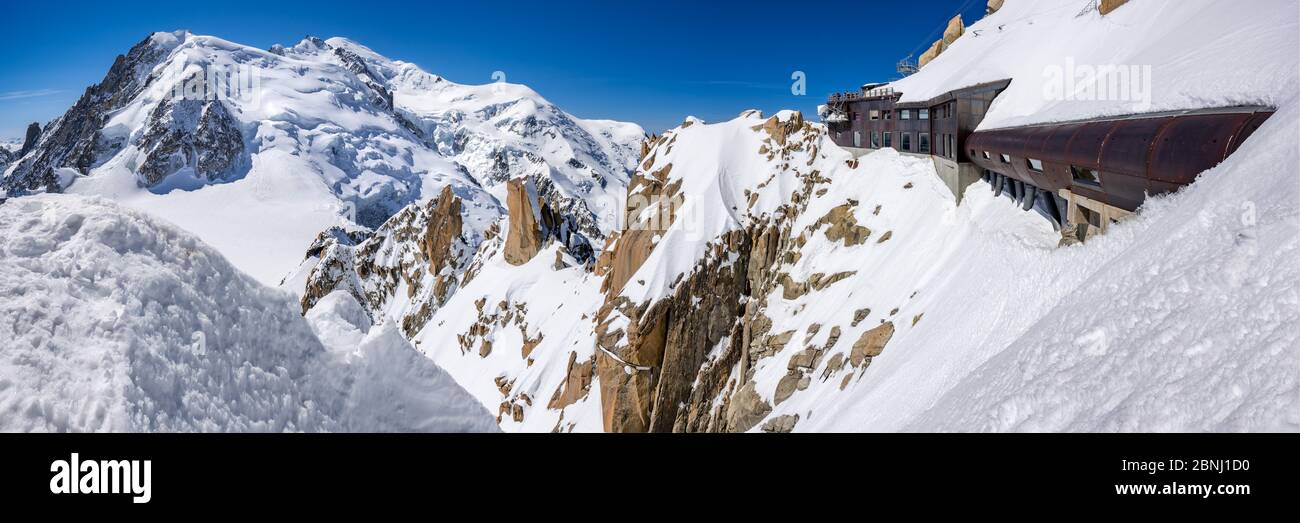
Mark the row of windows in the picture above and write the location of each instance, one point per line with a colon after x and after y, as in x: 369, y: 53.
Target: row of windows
x: 906, y: 114
x: 943, y: 111
x: 1082, y: 175
x: 886, y: 139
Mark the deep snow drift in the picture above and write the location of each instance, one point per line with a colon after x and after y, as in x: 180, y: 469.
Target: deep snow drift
x: 113, y: 321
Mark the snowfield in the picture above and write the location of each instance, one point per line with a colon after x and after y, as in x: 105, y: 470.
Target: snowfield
x: 114, y: 321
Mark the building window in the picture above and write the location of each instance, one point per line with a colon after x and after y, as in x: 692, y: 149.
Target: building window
x: 875, y: 114
x: 906, y: 139
x: 986, y: 156
x: 875, y: 139
x: 888, y: 141
x: 952, y: 147
x: 923, y: 114
x: 905, y: 114
x: 1006, y: 158
x: 1035, y: 165
x: 857, y: 139
x: 1085, y: 176
x: 923, y: 143
x: 889, y: 115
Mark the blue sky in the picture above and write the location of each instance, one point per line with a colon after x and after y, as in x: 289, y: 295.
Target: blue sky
x: 652, y: 63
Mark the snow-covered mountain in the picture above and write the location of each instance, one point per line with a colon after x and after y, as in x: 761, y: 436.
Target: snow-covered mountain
x: 785, y: 285
x: 745, y: 275
x: 323, y: 133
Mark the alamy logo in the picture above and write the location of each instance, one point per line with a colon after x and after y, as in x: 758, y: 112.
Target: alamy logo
x: 102, y: 477
x: 1100, y: 83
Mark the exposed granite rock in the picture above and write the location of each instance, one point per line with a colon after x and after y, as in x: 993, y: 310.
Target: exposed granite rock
x: 576, y: 384
x: 871, y: 344
x: 30, y: 140
x: 781, y: 424
x: 843, y: 226
x: 196, y: 134
x: 951, y: 33
x: 1106, y: 6
x: 75, y: 140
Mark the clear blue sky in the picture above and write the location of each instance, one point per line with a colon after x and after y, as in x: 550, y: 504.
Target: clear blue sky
x: 648, y: 62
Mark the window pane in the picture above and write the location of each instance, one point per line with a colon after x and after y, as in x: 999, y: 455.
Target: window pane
x: 924, y: 114
x: 1085, y: 176
x: 1035, y: 165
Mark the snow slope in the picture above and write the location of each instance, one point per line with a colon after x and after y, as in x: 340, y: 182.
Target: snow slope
x: 114, y: 321
x: 1179, y: 319
x: 1200, y: 54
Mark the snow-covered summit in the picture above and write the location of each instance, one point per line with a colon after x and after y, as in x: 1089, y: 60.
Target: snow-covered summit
x: 328, y: 132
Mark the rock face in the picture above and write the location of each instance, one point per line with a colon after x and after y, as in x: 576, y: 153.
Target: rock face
x: 871, y: 344
x: 951, y: 33
x: 524, y: 239
x: 191, y: 134
x: 534, y: 221
x: 577, y: 383
x: 421, y: 248
x: 75, y: 140
x: 682, y: 363
x: 954, y: 30
x: 993, y: 6
x: 1106, y: 6
x: 29, y: 142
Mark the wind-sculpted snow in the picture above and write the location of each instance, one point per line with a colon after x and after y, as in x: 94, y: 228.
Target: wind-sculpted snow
x: 112, y: 321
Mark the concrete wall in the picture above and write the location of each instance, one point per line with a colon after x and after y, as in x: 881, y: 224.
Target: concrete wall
x: 957, y: 176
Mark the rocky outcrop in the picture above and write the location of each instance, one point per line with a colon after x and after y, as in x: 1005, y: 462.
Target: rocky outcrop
x: 682, y: 362
x: 843, y: 226
x: 534, y: 221
x: 524, y: 237
x: 422, y: 249
x: 200, y: 135
x: 993, y: 6
x: 951, y: 33
x: 576, y: 384
x: 871, y: 344
x: 1106, y: 6
x: 75, y: 140
x: 652, y: 206
x: 29, y: 141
